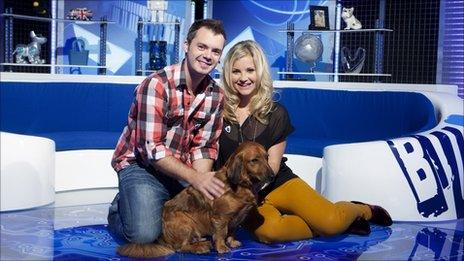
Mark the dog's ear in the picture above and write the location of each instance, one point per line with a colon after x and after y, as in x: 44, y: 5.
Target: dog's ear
x: 234, y: 170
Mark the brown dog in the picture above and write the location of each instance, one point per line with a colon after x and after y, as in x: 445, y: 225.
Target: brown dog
x: 190, y: 216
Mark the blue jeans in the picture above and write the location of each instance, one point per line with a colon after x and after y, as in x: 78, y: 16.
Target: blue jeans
x: 135, y: 214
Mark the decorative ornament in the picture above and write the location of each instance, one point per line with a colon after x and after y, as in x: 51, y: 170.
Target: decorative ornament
x: 30, y: 51
x: 350, y: 20
x: 82, y: 14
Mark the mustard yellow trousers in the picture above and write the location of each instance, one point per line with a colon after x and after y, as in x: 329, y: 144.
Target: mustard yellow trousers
x: 295, y: 211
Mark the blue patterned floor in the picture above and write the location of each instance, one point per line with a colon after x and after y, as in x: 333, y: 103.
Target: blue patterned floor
x: 80, y: 233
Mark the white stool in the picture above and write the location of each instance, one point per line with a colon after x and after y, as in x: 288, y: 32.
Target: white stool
x: 27, y: 171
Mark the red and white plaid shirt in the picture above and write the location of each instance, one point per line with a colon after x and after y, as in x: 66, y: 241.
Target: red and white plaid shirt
x: 165, y: 119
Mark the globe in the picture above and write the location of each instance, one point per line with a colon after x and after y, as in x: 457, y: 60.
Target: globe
x: 308, y: 48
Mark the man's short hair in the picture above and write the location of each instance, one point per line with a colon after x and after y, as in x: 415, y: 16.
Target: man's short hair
x: 212, y: 24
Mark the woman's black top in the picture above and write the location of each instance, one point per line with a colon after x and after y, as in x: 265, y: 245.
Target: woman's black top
x: 276, y: 131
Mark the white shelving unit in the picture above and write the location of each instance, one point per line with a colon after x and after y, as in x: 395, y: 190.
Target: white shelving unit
x: 290, y: 49
x: 46, y: 19
x: 290, y: 31
x: 337, y: 31
x: 330, y: 73
x: 49, y: 65
x: 140, y: 24
x: 9, y: 16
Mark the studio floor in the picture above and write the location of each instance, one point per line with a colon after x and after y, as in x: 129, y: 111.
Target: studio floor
x: 78, y: 231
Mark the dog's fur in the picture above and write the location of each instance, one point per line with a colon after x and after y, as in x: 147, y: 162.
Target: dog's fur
x: 190, y: 216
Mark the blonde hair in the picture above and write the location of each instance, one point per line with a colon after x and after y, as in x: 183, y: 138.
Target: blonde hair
x: 261, y: 102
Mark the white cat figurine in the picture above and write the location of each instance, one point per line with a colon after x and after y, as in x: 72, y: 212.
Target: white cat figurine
x: 350, y: 20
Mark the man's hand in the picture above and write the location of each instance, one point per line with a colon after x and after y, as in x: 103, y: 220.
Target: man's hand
x: 198, y: 175
x: 208, y: 184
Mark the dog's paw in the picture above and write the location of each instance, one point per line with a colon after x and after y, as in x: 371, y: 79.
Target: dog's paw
x: 203, y: 250
x: 204, y: 247
x: 199, y: 247
x: 222, y: 249
x: 233, y: 243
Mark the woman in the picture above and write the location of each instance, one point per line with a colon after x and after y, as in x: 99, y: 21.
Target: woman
x: 250, y: 114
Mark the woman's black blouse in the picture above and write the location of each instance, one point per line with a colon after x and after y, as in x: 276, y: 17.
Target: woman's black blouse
x: 276, y: 131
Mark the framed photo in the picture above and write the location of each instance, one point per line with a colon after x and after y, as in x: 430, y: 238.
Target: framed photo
x: 319, y: 17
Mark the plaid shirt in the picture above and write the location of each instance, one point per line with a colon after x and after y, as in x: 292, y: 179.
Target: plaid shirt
x: 165, y: 119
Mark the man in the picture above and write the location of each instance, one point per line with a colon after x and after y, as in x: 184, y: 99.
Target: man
x: 171, y: 137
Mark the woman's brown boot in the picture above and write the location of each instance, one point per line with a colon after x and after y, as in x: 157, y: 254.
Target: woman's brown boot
x: 380, y: 216
x: 360, y: 226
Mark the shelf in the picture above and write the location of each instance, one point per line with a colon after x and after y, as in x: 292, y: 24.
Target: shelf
x: 49, y: 65
x: 139, y: 68
x: 144, y: 71
x: 9, y: 16
x: 46, y: 19
x: 153, y: 22
x: 342, y: 74
x: 335, y: 31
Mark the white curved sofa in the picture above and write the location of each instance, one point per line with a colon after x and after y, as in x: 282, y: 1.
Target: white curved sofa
x: 416, y: 178
x: 365, y: 171
x: 27, y: 171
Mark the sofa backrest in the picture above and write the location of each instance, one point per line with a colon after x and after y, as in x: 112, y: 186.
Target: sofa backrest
x: 35, y: 108
x: 352, y: 116
x: 92, y: 115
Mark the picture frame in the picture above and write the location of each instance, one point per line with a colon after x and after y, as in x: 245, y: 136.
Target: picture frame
x: 319, y: 16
